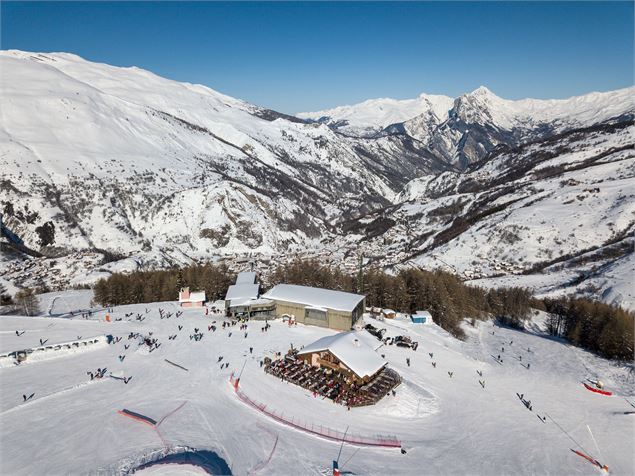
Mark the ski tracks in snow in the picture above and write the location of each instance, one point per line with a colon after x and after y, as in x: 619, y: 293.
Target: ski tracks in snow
x: 264, y: 463
x: 52, y: 395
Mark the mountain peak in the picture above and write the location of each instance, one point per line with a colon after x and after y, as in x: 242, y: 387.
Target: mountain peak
x: 482, y: 92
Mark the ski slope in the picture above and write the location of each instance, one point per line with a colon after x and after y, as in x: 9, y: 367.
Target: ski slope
x: 447, y: 425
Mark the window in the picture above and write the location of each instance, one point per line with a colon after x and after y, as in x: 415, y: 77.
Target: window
x: 315, y: 314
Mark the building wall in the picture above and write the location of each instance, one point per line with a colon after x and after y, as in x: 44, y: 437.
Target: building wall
x: 340, y: 320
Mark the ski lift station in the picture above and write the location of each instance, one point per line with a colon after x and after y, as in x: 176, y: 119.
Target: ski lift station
x: 306, y: 305
x: 316, y: 306
x: 421, y: 317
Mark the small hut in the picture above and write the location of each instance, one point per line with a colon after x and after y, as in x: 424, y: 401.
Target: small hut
x: 421, y: 317
x: 191, y: 299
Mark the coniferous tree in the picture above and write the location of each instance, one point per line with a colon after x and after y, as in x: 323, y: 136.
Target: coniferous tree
x: 5, y: 297
x: 27, y: 302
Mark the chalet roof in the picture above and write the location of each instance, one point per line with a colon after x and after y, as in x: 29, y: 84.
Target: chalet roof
x: 352, y: 350
x: 246, y: 277
x: 242, y: 291
x: 314, y: 297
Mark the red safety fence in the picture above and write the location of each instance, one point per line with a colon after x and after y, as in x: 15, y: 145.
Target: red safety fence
x: 318, y: 430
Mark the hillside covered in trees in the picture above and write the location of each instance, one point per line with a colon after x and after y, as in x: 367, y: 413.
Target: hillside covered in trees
x: 607, y: 330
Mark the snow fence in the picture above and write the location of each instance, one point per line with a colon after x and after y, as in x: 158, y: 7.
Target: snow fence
x: 384, y: 441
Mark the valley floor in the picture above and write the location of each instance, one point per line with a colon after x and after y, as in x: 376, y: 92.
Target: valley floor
x: 447, y: 425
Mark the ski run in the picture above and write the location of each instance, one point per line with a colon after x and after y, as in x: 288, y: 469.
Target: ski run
x: 502, y: 402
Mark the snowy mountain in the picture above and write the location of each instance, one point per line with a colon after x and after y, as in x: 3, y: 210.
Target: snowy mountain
x: 109, y: 169
x: 557, y: 214
x: 464, y: 130
x: 370, y: 117
x: 119, y: 158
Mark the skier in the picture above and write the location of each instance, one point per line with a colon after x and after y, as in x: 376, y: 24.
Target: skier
x: 251, y: 350
x: 408, y: 361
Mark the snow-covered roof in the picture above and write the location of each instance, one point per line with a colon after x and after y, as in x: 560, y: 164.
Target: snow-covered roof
x: 196, y: 296
x: 249, y: 302
x: 423, y: 313
x: 246, y: 277
x: 314, y: 297
x: 351, y: 349
x: 237, y: 291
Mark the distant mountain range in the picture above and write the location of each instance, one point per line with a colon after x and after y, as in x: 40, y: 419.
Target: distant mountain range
x: 107, y: 168
x: 461, y: 131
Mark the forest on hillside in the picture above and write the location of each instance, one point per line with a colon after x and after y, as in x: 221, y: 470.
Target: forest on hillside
x: 601, y: 328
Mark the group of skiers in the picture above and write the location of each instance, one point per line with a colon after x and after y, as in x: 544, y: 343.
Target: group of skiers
x: 97, y: 374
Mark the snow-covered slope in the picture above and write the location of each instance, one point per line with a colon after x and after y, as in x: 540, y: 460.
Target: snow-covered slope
x: 107, y: 169
x: 446, y: 424
x: 563, y: 207
x: 95, y: 156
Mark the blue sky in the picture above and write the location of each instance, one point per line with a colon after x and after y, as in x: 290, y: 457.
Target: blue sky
x: 306, y: 56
